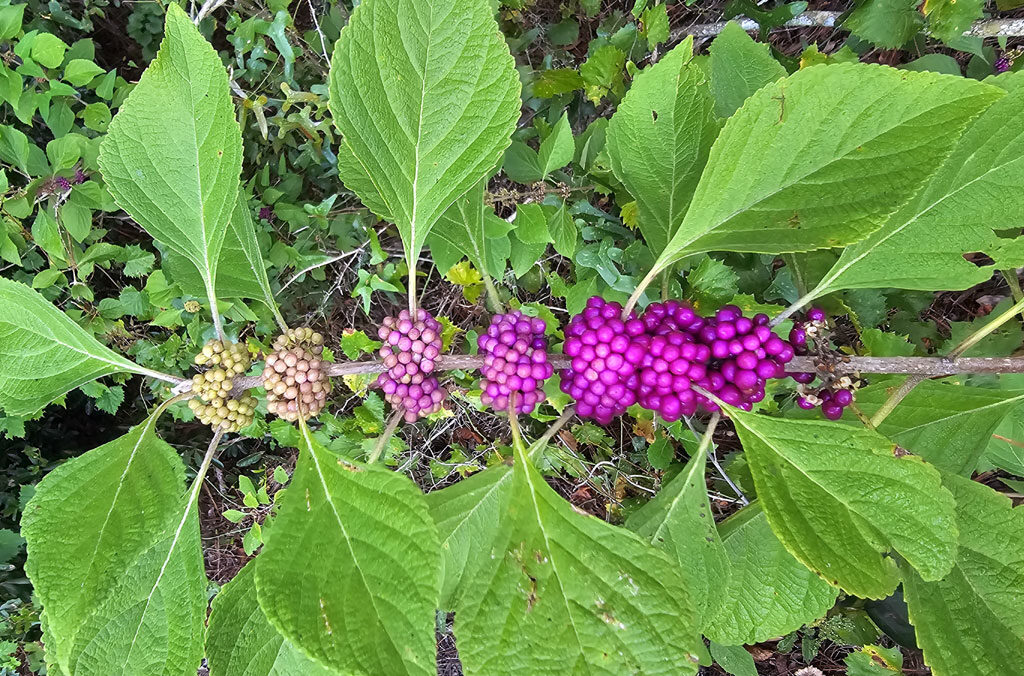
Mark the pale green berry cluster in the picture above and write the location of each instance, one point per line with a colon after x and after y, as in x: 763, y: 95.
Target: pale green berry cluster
x: 215, y: 403
x: 294, y: 375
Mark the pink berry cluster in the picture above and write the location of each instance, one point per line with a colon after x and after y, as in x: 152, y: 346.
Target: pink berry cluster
x: 832, y: 396
x: 605, y: 353
x: 411, y: 344
x: 516, y: 364
x: 658, y: 358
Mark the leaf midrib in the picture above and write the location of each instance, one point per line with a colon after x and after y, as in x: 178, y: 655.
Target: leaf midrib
x: 796, y: 180
x: 824, y: 286
x: 521, y: 458
x: 348, y: 541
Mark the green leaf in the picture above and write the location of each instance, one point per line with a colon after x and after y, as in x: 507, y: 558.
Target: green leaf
x: 123, y: 589
x: 659, y: 138
x: 969, y: 622
x: 977, y: 190
x: 816, y: 161
x: 242, y: 642
x: 359, y: 542
x: 173, y: 154
x: 241, y: 270
x: 739, y: 67
x: 885, y: 23
x: 948, y: 19
x: 557, y: 149
x: 947, y: 425
x: 734, y: 659
x: 44, y: 353
x: 711, y: 283
x: 679, y: 521
x: 769, y: 593
x: 450, y: 102
x: 10, y: 545
x: 81, y: 72
x: 556, y: 81
x: 461, y: 232
x: 874, y: 660
x: 585, y: 596
x: 48, y: 50
x: 602, y: 73
x: 1003, y: 449
x: 840, y: 500
x: 10, y: 20
x: 468, y: 515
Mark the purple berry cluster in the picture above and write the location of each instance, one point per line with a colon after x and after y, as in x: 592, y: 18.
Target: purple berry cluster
x: 658, y: 359
x: 411, y: 344
x: 835, y: 394
x: 727, y: 354
x: 606, y: 352
x: 745, y: 353
x: 516, y: 364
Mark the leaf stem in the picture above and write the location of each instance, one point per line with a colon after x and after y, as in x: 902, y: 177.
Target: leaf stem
x: 898, y: 395
x: 793, y: 308
x: 984, y: 331
x: 411, y: 262
x: 218, y: 326
x: 644, y: 283
x: 493, y: 298
x: 382, y: 442
x: 208, y: 458
x: 551, y: 431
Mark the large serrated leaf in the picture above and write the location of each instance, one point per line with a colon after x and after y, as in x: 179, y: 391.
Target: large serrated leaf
x: 242, y: 642
x: 977, y: 191
x: 769, y: 593
x: 468, y: 517
x: 821, y: 158
x: 426, y: 96
x: 679, y: 520
x: 739, y: 67
x: 839, y: 500
x: 659, y: 138
x: 947, y: 425
x: 173, y: 154
x: 462, y: 231
x: 241, y: 272
x: 584, y: 596
x: 45, y: 354
x: 114, y: 555
x: 969, y: 623
x: 360, y: 544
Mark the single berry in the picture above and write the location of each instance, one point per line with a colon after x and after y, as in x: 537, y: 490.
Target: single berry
x: 515, y: 362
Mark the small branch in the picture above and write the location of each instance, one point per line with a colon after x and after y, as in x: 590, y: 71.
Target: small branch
x: 985, y: 28
x: 208, y: 7
x: 382, y: 442
x: 923, y: 366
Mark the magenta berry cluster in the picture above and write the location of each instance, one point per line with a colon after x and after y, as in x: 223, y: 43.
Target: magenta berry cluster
x: 516, y: 364
x: 411, y: 344
x: 727, y: 355
x: 832, y: 396
x: 605, y: 352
